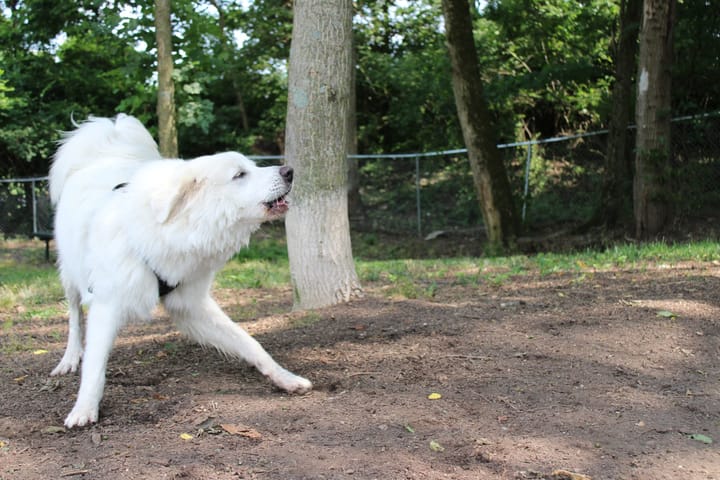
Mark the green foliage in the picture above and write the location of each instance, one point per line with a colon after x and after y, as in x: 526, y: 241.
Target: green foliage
x: 546, y: 68
x: 546, y: 63
x: 403, y: 79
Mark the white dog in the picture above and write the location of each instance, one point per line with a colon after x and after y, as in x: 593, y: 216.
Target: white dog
x: 133, y: 228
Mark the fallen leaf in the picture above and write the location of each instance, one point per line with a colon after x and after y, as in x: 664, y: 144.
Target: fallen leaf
x: 3, y: 444
x: 568, y: 475
x: 666, y: 314
x: 205, y: 422
x: 241, y: 430
x: 186, y: 436
x: 434, y: 396
x: 436, y: 447
x: 20, y: 379
x: 701, y: 438
x: 40, y: 352
x: 409, y: 429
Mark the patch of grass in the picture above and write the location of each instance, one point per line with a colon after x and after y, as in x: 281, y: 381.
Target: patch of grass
x: 254, y: 274
x: 271, y: 249
x: 629, y: 255
x: 36, y: 289
x: 28, y: 285
x: 263, y: 264
x: 418, y: 278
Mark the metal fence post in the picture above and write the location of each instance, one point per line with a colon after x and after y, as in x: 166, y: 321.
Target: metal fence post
x: 527, y: 180
x: 34, y: 207
x: 417, y: 196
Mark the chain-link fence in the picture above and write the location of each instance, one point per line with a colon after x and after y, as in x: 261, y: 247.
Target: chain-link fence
x: 25, y: 207
x: 556, y: 183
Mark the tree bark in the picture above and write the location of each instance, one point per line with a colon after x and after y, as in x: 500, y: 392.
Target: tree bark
x: 652, y: 117
x: 318, y: 230
x: 167, y: 129
x: 617, y: 182
x: 489, y: 175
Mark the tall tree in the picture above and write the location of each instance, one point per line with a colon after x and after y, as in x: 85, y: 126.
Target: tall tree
x: 617, y: 190
x: 167, y: 128
x: 355, y: 206
x: 318, y: 230
x: 652, y: 117
x: 489, y: 174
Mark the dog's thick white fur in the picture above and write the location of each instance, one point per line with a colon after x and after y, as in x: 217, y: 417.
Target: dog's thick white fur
x: 129, y: 223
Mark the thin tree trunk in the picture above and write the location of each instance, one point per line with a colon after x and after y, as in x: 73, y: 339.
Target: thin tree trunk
x: 652, y: 117
x: 489, y: 174
x: 318, y: 230
x: 167, y: 130
x: 617, y: 182
x: 355, y: 206
x: 232, y: 71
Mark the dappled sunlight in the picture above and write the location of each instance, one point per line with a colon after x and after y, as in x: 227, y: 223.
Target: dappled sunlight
x: 569, y: 369
x: 676, y: 308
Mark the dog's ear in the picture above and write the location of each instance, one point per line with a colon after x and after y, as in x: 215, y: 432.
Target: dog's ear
x: 167, y: 202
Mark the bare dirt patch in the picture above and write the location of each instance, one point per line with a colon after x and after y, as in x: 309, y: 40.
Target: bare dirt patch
x: 537, y: 374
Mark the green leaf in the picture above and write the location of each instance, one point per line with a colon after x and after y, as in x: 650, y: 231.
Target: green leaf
x: 701, y: 438
x: 666, y: 314
x: 409, y: 429
x: 436, y: 447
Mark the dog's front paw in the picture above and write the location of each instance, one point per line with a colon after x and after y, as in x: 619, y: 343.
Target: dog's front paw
x: 81, y: 416
x: 291, y: 383
x: 66, y: 366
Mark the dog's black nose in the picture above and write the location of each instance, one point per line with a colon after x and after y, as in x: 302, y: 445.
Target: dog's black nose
x: 286, y: 173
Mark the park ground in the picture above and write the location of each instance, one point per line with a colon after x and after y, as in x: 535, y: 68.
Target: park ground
x: 481, y: 373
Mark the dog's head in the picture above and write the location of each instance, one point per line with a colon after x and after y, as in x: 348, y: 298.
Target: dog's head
x: 226, y: 188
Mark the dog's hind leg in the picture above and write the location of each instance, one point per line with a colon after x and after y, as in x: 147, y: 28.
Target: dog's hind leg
x: 208, y: 325
x: 73, y: 350
x: 103, y: 324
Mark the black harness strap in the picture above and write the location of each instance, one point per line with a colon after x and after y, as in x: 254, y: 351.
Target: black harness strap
x: 163, y: 287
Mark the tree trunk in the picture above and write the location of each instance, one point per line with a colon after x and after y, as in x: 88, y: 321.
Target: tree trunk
x: 355, y: 206
x: 167, y: 130
x: 617, y: 182
x: 318, y: 230
x: 489, y: 175
x: 652, y: 117
x: 227, y: 50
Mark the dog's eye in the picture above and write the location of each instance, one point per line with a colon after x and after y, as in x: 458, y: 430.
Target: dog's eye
x: 240, y: 174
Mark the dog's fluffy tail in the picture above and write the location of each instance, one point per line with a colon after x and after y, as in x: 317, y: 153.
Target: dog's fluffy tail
x: 122, y: 139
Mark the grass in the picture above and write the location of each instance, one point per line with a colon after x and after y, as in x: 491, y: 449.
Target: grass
x: 30, y: 288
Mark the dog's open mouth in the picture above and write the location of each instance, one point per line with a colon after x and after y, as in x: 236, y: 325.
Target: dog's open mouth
x: 278, y: 206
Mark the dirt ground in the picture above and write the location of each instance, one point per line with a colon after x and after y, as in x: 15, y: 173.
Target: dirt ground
x: 539, y: 377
